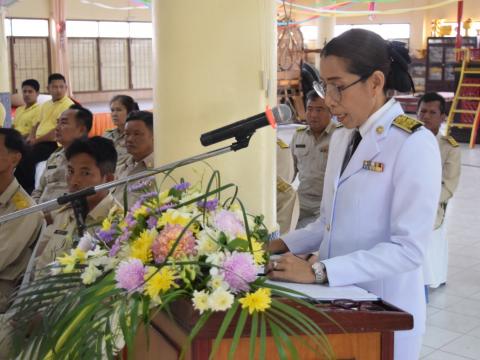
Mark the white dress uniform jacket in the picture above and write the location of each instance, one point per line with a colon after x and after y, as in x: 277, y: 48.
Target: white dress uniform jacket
x: 374, y: 225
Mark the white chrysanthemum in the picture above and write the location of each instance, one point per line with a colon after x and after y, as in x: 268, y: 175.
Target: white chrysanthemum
x: 200, y: 301
x: 220, y: 300
x: 86, y: 242
x: 216, y: 258
x: 218, y: 282
x: 90, y: 274
x: 205, y: 244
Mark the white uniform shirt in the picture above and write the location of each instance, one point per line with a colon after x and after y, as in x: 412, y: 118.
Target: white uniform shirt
x: 373, y: 226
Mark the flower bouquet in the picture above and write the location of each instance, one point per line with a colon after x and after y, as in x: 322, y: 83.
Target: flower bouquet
x: 184, y: 243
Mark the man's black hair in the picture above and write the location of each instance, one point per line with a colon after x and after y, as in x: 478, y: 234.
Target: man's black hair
x: 83, y: 116
x: 145, y: 116
x: 32, y: 83
x: 97, y: 147
x: 13, y: 140
x: 433, y: 96
x: 312, y: 95
x: 56, y: 76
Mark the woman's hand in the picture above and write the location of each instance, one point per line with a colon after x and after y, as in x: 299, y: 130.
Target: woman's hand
x: 291, y: 268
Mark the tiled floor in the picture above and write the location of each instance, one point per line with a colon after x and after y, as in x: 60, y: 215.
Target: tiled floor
x: 453, y: 320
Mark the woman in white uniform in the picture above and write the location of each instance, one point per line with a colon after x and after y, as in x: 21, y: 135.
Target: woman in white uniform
x: 381, y: 189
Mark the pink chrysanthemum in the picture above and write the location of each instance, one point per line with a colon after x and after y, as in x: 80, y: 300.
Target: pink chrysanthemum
x: 228, y: 222
x: 130, y: 275
x: 167, y: 238
x: 239, y: 270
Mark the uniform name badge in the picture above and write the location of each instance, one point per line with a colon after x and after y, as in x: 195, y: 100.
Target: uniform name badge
x: 372, y: 166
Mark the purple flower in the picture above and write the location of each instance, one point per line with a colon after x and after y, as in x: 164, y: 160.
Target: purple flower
x: 141, y: 184
x: 106, y: 236
x: 147, y: 196
x: 209, y: 205
x: 166, y: 207
x: 131, y: 222
x: 115, y: 248
x: 152, y: 222
x: 182, y: 186
x: 130, y: 275
x: 239, y: 270
x: 228, y: 222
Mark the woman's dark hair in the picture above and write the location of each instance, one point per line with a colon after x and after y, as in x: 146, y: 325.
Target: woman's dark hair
x: 97, y: 147
x: 366, y: 52
x: 127, y: 101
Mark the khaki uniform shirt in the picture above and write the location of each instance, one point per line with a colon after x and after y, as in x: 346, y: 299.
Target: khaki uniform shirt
x: 310, y: 161
x: 49, y: 114
x: 129, y: 168
x: 60, y: 237
x: 53, y: 182
x: 451, y: 163
x: 25, y: 118
x: 287, y: 206
x: 285, y: 167
x: 16, y: 239
x: 119, y: 142
x: 3, y: 114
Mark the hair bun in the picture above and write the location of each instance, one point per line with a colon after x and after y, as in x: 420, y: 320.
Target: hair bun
x: 399, y: 77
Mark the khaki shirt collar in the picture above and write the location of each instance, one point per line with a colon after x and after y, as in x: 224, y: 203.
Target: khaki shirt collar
x: 327, y: 130
x: 9, y: 192
x: 147, y: 161
x: 99, y: 212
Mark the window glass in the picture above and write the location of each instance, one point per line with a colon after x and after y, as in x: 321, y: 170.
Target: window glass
x: 113, y: 29
x: 84, y: 29
x: 141, y: 30
x: 29, y: 27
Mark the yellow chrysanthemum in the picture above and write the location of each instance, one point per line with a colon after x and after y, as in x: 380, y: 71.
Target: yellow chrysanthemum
x: 173, y: 217
x: 141, y: 211
x: 106, y: 224
x: 79, y: 255
x: 141, y: 247
x: 68, y: 262
x: 258, y: 252
x: 160, y: 282
x: 259, y: 301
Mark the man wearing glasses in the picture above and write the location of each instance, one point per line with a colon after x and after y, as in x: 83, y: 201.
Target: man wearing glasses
x: 310, y: 152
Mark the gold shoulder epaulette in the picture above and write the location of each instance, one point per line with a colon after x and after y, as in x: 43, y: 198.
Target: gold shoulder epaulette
x: 451, y: 140
x: 302, y: 128
x: 407, y: 123
x: 20, y: 201
x: 339, y: 125
x: 282, y: 185
x: 282, y: 144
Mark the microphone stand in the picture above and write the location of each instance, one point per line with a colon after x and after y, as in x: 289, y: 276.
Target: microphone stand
x: 78, y: 198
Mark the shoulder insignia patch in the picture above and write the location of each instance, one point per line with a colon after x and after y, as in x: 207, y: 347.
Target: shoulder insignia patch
x: 339, y: 125
x: 20, y: 201
x: 282, y: 144
x: 451, y: 140
x: 302, y: 128
x: 407, y: 123
x: 282, y: 185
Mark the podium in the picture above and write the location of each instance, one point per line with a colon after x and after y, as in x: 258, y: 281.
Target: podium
x: 366, y: 333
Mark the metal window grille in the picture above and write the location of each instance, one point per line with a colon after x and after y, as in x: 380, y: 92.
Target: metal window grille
x: 30, y: 59
x: 141, y: 63
x: 114, y: 64
x: 83, y: 64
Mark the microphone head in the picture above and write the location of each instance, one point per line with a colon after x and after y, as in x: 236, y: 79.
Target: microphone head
x: 282, y: 114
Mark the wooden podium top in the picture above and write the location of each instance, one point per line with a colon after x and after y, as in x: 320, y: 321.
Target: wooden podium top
x: 348, y: 316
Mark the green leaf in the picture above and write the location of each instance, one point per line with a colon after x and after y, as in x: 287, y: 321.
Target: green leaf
x: 198, y: 326
x: 238, y: 333
x: 223, y: 328
x: 237, y: 244
x: 253, y: 335
x: 263, y: 336
x: 286, y: 340
x: 276, y: 338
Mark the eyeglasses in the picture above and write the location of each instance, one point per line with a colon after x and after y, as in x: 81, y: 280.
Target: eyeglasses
x: 335, y: 92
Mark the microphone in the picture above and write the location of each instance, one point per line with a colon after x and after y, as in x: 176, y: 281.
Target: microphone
x: 243, y: 129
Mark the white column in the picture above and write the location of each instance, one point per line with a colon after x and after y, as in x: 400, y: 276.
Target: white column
x: 326, y: 30
x: 5, y: 86
x: 215, y: 63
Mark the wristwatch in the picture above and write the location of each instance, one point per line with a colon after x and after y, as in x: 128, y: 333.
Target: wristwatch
x: 320, y: 272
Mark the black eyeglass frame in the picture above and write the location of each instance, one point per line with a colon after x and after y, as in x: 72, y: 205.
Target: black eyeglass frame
x: 320, y: 87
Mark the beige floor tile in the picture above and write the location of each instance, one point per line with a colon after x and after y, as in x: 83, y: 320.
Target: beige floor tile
x: 466, y: 307
x: 468, y: 346
x: 437, y: 337
x: 442, y: 299
x: 475, y: 332
x: 426, y: 350
x: 453, y: 321
x: 441, y: 355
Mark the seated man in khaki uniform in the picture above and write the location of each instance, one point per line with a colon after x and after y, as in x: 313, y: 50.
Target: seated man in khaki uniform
x: 16, y: 236
x: 91, y: 162
x: 310, y: 153
x: 139, y: 142
x: 74, y: 123
x: 431, y: 110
